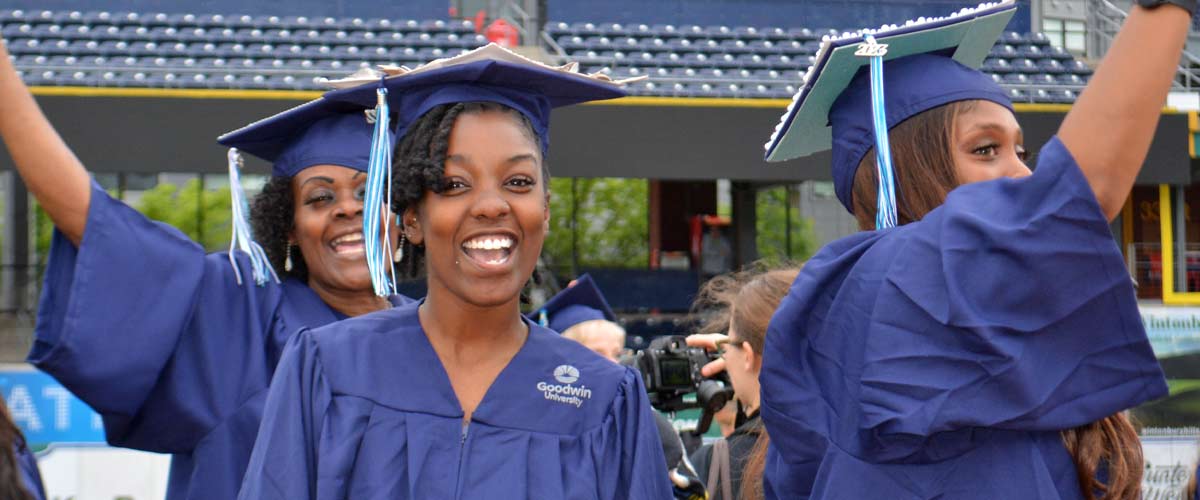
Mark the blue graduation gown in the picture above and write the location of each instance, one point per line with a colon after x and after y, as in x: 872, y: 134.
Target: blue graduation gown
x: 31, y: 477
x: 161, y: 340
x: 942, y: 358
x: 363, y: 409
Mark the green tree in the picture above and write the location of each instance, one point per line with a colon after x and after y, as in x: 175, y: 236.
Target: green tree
x: 611, y: 223
x: 772, y: 212
x: 203, y: 215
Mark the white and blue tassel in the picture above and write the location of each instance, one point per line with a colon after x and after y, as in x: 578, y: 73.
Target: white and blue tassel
x: 243, y: 237
x: 378, y: 200
x: 885, y: 216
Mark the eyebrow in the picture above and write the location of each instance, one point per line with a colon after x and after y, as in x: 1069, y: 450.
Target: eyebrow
x: 360, y: 172
x: 317, y: 178
x: 461, y: 159
x: 997, y: 127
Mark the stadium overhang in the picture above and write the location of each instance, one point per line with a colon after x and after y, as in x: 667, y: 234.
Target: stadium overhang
x: 174, y: 130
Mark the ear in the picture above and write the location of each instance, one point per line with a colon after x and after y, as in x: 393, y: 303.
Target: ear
x: 752, y: 360
x: 411, y: 222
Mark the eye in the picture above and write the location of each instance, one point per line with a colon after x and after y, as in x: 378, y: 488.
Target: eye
x: 452, y: 185
x: 1022, y: 154
x: 318, y: 197
x: 521, y: 183
x: 360, y: 193
x: 988, y: 150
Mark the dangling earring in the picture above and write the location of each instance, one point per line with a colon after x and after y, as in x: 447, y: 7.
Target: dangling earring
x: 398, y: 255
x: 287, y: 262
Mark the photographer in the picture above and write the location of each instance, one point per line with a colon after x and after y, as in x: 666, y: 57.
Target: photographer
x: 743, y: 304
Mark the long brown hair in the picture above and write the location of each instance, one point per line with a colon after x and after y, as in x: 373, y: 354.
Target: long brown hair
x: 10, y: 469
x: 746, y: 301
x: 925, y: 174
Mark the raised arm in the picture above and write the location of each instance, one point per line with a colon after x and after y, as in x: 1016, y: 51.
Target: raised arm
x: 1109, y: 129
x: 57, y: 179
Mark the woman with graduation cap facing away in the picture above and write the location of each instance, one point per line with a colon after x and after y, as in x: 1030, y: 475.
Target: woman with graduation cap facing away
x: 175, y: 348
x: 459, y: 395
x: 984, y: 340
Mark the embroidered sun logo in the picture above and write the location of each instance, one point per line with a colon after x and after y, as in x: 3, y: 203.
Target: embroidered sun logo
x: 566, y: 374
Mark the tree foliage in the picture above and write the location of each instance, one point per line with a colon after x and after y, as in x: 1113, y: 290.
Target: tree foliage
x: 772, y: 226
x: 610, y: 218
x: 203, y: 215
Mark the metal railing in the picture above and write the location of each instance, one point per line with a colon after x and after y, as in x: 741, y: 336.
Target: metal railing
x: 1104, y: 20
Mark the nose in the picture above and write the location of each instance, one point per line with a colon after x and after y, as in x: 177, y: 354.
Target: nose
x: 348, y: 207
x: 490, y: 204
x: 1018, y: 169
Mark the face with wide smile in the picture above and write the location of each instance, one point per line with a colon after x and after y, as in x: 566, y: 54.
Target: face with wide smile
x: 483, y: 233
x: 327, y: 226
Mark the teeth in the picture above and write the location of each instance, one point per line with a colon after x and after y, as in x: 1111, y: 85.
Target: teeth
x: 349, y: 238
x: 489, y: 243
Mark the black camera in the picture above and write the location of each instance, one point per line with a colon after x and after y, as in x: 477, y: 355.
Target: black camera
x: 671, y: 371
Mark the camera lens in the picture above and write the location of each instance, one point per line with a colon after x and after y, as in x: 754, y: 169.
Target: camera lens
x: 713, y: 395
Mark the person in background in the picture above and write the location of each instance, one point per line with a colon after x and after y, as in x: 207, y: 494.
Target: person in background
x: 743, y: 303
x: 174, y: 346
x: 984, y: 340
x: 581, y: 313
x: 20, y: 478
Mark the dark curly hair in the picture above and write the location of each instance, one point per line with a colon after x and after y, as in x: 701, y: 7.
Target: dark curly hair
x: 419, y: 164
x: 272, y: 218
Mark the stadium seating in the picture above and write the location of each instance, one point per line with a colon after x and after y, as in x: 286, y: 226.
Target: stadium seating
x: 134, y: 49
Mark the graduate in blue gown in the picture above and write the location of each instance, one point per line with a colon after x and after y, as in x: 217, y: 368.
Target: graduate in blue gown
x: 460, y: 396
x: 988, y: 330
x: 172, y: 346
x: 20, y: 478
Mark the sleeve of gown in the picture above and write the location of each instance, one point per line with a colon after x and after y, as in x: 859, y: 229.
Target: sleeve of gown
x: 284, y: 464
x: 149, y: 331
x: 638, y: 450
x: 30, y: 474
x: 1010, y: 307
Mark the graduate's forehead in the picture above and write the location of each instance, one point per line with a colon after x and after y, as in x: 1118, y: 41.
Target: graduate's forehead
x: 981, y: 117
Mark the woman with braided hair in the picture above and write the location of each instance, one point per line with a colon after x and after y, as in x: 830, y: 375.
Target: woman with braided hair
x: 460, y: 395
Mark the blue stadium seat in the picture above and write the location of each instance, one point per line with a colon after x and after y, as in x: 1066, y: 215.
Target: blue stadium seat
x: 717, y: 32
x: 783, y: 61
x: 1018, y: 95
x: 1051, y: 66
x: 1003, y: 50
x: 1015, y: 78
x: 12, y: 31
x: 692, y: 31
x: 1078, y: 67
x: 681, y: 45
x: 1058, y: 53
x: 1014, y: 38
x: 1063, y: 96
x: 748, y: 33
x: 14, y: 16
x: 1030, y: 51
x: 611, y: 30
x: 663, y: 30
x: 802, y: 34
x: 764, y: 47
x: 77, y: 32
x: 997, y: 65
x: 1025, y: 66
x: 1039, y: 39
x: 1042, y: 80
x: 1070, y: 79
x: 734, y: 46
x: 557, y: 29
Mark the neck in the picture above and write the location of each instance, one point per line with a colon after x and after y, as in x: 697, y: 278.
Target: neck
x: 350, y: 302
x: 460, y: 331
x: 750, y: 403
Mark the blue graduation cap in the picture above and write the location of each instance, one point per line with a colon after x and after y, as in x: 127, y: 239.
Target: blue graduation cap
x: 845, y: 106
x: 487, y: 74
x: 318, y: 132
x: 574, y: 305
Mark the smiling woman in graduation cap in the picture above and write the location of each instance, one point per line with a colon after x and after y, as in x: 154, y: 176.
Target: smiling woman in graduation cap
x: 459, y: 396
x: 984, y: 340
x: 172, y: 346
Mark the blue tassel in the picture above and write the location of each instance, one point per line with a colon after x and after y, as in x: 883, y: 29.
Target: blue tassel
x: 243, y: 238
x: 377, y: 200
x: 885, y: 216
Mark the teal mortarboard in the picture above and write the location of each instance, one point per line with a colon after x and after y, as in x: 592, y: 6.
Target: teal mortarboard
x: 487, y: 74
x: 576, y: 304
x: 866, y: 82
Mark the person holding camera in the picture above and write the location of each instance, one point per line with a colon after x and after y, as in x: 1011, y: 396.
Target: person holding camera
x: 581, y: 313
x: 733, y: 466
